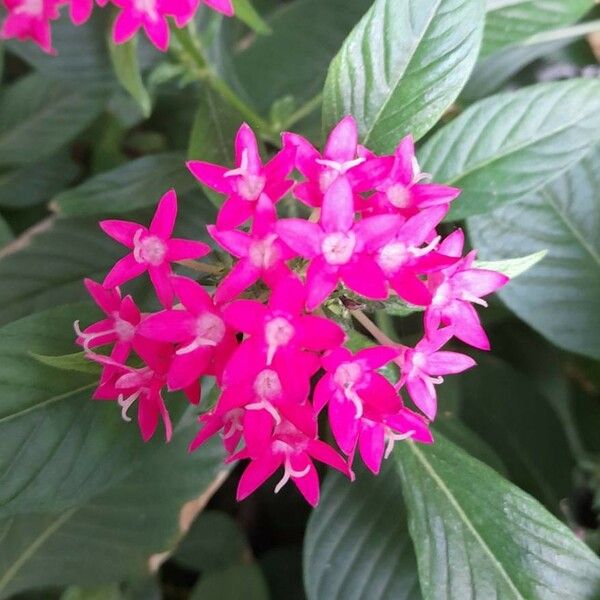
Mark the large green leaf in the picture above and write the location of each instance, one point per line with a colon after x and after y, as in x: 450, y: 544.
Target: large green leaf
x: 233, y: 583
x: 510, y: 21
x: 293, y: 59
x: 38, y: 182
x: 507, y: 146
x: 402, y: 67
x: 505, y: 409
x: 37, y: 117
x: 6, y: 234
x: 357, y: 543
x: 134, y: 185
x: 113, y: 536
x: 561, y: 295
x: 58, y: 446
x: 478, y: 536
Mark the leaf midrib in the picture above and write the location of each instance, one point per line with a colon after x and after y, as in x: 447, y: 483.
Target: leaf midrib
x: 464, y: 518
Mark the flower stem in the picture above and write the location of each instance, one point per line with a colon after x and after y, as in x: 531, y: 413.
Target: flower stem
x: 203, y: 70
x: 202, y: 267
x: 379, y: 336
x: 306, y: 109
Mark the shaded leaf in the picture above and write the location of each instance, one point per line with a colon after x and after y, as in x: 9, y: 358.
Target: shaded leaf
x: 69, y: 362
x: 512, y: 267
x: 245, y: 11
x: 233, y: 583
x: 6, y: 234
x: 402, y: 67
x: 560, y: 297
x: 507, y: 146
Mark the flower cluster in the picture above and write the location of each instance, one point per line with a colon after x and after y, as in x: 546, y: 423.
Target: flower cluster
x: 31, y: 19
x: 264, y: 336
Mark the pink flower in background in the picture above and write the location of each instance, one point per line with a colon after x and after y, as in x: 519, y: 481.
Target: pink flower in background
x: 204, y: 342
x: 81, y: 10
x: 422, y: 368
x: 222, y: 6
x: 406, y: 190
x: 340, y: 248
x: 281, y: 328
x: 245, y: 184
x: 153, y: 249
x: 340, y: 158
x: 30, y: 20
x: 261, y: 253
x: 455, y: 289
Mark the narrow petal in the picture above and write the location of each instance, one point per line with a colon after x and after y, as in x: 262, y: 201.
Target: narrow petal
x: 158, y: 32
x: 410, y: 288
x: 179, y: 249
x: 318, y: 333
x: 188, y: 368
x: 256, y: 473
x: 380, y: 395
x: 305, y: 154
x: 371, y: 445
x: 125, y: 269
x: 323, y: 392
x: 211, y: 426
x: 453, y: 244
x: 223, y: 6
x: 163, y: 221
x: 466, y: 324
x: 403, y: 169
x: 342, y: 141
x: 235, y: 211
x: 432, y: 194
x: 344, y: 424
x: 308, y: 484
x: 192, y: 295
x: 365, y: 277
x: 246, y: 315
x: 479, y: 282
x: 125, y: 27
x: 258, y: 429
x: 148, y: 414
x: 443, y: 363
x: 240, y: 278
x: 246, y: 145
x: 376, y: 357
x: 321, y: 280
x: 281, y: 165
x: 265, y: 216
x: 327, y: 455
x: 375, y: 232
x: 407, y: 421
x: 161, y: 280
x: 80, y: 11
x: 288, y: 295
x: 337, y: 211
x: 122, y: 231
x: 423, y: 396
x: 108, y: 300
x: 212, y: 176
x: 301, y: 236
x: 234, y: 241
x: 173, y: 326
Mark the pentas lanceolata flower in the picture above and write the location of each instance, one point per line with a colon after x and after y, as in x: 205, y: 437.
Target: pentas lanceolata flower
x: 263, y: 333
x: 31, y: 19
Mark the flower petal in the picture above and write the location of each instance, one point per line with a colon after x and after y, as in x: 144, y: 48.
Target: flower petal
x: 125, y: 269
x: 423, y: 395
x: 246, y: 315
x: 163, y: 221
x: 365, y: 277
x: 246, y: 145
x: 212, y: 176
x: 122, y: 231
x: 337, y: 211
x: 240, y: 278
x: 318, y: 333
x: 321, y: 280
x: 256, y: 473
x: 371, y: 445
x: 342, y: 141
x: 301, y: 236
x: 192, y: 295
x: 444, y: 363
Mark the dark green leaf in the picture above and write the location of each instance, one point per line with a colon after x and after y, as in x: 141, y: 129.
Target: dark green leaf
x: 233, y: 583
x: 560, y: 296
x: 513, y: 267
x: 37, y: 117
x: 69, y: 362
x: 478, y: 536
x: 127, y: 68
x: 117, y: 535
x: 245, y: 11
x: 6, y: 234
x: 402, y: 67
x: 134, y: 185
x: 357, y: 544
x: 507, y: 146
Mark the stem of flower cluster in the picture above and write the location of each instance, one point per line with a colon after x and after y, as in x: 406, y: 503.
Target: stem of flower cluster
x: 379, y: 336
x: 192, y: 49
x: 202, y: 267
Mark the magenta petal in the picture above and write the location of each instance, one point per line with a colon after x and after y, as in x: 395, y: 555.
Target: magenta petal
x: 158, y: 32
x: 403, y: 169
x: 307, y: 484
x: 376, y: 357
x: 301, y: 236
x: 80, y: 11
x: 212, y: 176
x: 479, y: 282
x: 453, y: 244
x: 256, y: 473
x: 121, y: 231
x: 212, y: 424
x: 407, y: 421
x: 371, y: 445
x: 258, y: 428
x: 365, y: 277
x: 423, y: 395
x: 433, y: 194
x: 381, y: 395
x: 467, y: 326
x: 288, y: 295
x: 235, y: 211
x: 318, y: 333
x: 419, y: 228
x: 240, y: 278
x: 235, y: 242
x: 187, y: 368
x: 108, y: 300
x: 321, y: 280
x: 410, y: 288
x: 245, y: 315
x: 344, y: 424
x: 223, y: 6
x: 443, y: 363
x: 246, y: 145
x: 179, y: 249
x: 337, y: 211
x: 342, y: 141
x: 281, y: 165
x: 125, y: 27
x: 169, y: 326
x: 125, y: 269
x: 161, y: 280
x: 192, y: 295
x: 327, y: 455
x: 163, y: 221
x: 244, y: 364
x: 323, y: 392
x: 375, y: 232
x: 306, y: 154
x: 148, y: 414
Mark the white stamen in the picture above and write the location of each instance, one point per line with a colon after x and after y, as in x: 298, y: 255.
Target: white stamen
x: 265, y: 405
x: 289, y: 471
x: 392, y: 438
x: 210, y: 330
x: 278, y: 332
x: 30, y: 7
x: 125, y: 403
x: 88, y: 338
x: 340, y: 167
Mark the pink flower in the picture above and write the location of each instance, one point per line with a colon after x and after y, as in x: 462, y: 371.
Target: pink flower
x: 245, y: 184
x: 406, y: 190
x: 292, y: 449
x: 281, y: 328
x: 81, y: 10
x: 453, y: 290
x: 261, y: 254
x: 230, y: 422
x: 222, y: 6
x: 340, y: 158
x: 151, y: 15
x: 353, y: 388
x: 340, y: 248
x: 119, y: 328
x: 404, y: 258
x: 423, y: 366
x: 153, y: 249
x: 204, y: 341
x: 30, y: 20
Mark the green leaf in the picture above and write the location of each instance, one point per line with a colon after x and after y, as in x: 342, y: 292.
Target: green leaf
x: 402, y: 66
x: 37, y: 117
x: 245, y: 11
x: 507, y: 146
x: 117, y: 535
x: 357, y: 544
x: 522, y: 427
x: 512, y: 267
x: 293, y: 60
x: 58, y: 446
x: 69, y: 362
x: 38, y: 182
x: 511, y: 21
x: 6, y: 234
x: 478, y: 536
x: 213, y: 543
x: 560, y: 297
x: 136, y: 184
x: 127, y: 68
x: 106, y: 592
x: 233, y: 583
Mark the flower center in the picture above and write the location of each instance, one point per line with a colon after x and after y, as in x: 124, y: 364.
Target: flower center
x: 347, y: 375
x: 147, y: 7
x: 124, y: 329
x: 263, y: 253
x: 267, y: 385
x: 333, y: 170
x: 278, y: 332
x: 150, y: 249
x: 250, y: 187
x: 30, y: 7
x: 442, y: 295
x: 391, y: 257
x: 398, y: 195
x: 338, y: 247
x: 210, y: 330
